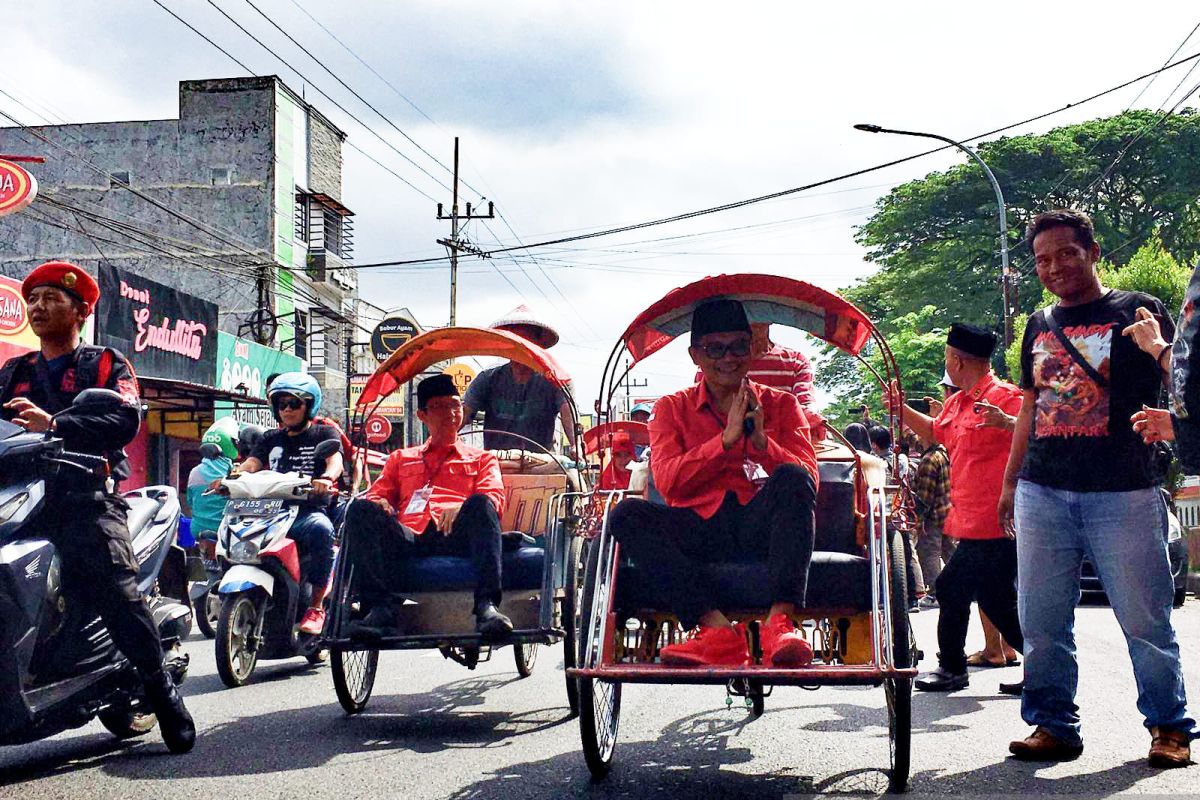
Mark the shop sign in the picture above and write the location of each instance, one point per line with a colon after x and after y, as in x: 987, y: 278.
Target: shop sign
x: 18, y: 188
x: 16, y: 337
x: 390, y: 334
x: 391, y: 407
x: 164, y: 332
x: 462, y: 375
x: 243, y: 368
x: 378, y: 429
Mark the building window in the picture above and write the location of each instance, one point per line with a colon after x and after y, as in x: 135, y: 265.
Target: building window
x: 222, y: 176
x: 302, y: 224
x: 301, y: 341
x: 118, y: 179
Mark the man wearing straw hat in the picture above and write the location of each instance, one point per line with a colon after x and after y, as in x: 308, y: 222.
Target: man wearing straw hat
x: 518, y: 405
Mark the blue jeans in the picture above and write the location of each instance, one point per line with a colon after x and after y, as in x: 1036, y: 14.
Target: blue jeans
x: 313, y: 534
x: 1123, y: 534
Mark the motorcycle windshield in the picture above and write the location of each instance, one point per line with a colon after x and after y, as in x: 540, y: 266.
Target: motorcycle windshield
x: 9, y: 430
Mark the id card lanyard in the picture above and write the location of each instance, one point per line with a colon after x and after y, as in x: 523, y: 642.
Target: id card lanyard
x: 420, y: 498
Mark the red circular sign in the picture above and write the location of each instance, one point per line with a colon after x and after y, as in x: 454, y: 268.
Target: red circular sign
x: 379, y: 429
x: 13, y: 313
x: 17, y: 188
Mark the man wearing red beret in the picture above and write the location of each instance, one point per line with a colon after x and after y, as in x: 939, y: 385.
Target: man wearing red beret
x: 90, y: 529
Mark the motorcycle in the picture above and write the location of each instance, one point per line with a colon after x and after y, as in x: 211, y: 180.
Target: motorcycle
x: 263, y: 596
x: 204, y: 596
x: 59, y: 668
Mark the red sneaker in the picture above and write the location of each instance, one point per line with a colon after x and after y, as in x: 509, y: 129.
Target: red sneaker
x: 313, y: 621
x: 782, y: 644
x: 708, y: 647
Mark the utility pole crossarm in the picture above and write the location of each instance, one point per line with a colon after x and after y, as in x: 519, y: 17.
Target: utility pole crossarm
x: 454, y: 244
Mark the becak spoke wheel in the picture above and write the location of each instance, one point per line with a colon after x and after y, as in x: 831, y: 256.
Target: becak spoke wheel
x: 525, y: 654
x: 354, y: 677
x: 570, y: 620
x: 898, y: 691
x: 599, y: 701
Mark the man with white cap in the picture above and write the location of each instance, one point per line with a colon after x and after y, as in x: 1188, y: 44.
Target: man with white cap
x: 516, y: 400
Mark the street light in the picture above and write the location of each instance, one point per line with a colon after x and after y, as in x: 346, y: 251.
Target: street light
x: 1005, y: 276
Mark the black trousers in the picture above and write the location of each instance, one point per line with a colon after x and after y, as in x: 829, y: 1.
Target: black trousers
x: 983, y: 570
x: 376, y: 540
x: 99, y: 570
x: 776, y: 526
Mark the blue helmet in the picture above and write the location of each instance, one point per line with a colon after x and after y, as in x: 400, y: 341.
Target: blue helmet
x: 300, y: 384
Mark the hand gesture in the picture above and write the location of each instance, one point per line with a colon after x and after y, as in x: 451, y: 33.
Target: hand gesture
x: 29, y: 416
x: 935, y: 406
x: 991, y: 416
x: 891, y: 398
x: 738, y: 411
x: 1154, y: 425
x: 445, y: 522
x: 1146, y: 333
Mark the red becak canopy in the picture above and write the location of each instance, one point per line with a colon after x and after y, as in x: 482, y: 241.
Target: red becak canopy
x: 767, y: 298
x: 421, y: 352
x: 601, y: 436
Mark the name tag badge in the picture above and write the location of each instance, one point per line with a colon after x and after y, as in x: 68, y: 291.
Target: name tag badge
x: 754, y: 472
x: 418, y: 501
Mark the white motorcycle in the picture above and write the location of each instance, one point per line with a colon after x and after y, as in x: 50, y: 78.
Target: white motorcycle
x: 263, y: 596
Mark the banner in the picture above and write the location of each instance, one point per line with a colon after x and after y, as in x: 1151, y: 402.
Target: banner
x: 16, y: 337
x: 242, y: 363
x: 165, y: 333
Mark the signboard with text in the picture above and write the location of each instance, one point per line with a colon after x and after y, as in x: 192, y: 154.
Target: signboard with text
x: 392, y: 406
x: 18, y: 188
x: 16, y: 337
x: 390, y: 334
x: 164, y: 332
x: 378, y: 429
x: 462, y: 375
x: 244, y: 366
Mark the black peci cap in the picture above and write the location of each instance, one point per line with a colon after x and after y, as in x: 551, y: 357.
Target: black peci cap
x: 971, y: 340
x: 718, y: 316
x: 435, y: 386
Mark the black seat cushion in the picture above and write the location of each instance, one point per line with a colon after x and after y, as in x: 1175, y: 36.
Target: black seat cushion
x: 835, y: 580
x: 520, y: 569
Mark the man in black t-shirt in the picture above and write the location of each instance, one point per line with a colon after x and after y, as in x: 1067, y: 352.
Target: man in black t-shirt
x: 295, y: 398
x: 1081, y: 481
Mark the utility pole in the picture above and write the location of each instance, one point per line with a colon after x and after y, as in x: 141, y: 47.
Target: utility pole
x: 454, y: 244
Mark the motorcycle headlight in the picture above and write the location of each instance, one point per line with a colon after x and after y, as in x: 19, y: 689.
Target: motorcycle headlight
x: 12, y: 505
x: 244, y: 552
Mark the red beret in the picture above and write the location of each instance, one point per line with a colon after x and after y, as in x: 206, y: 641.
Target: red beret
x: 66, y: 276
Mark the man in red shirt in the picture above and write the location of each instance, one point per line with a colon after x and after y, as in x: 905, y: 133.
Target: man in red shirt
x: 441, y: 498
x: 735, y: 465
x: 975, y: 426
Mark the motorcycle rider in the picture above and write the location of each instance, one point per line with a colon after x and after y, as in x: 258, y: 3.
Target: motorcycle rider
x: 208, y: 509
x: 295, y: 398
x: 89, y: 529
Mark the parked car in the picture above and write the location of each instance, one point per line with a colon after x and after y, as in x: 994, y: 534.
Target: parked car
x: 1177, y: 551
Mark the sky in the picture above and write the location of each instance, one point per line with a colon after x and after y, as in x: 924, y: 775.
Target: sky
x: 578, y: 117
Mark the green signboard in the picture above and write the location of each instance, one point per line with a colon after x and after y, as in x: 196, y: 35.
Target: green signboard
x: 243, y: 366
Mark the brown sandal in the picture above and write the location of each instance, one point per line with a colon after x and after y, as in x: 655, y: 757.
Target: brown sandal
x: 977, y: 660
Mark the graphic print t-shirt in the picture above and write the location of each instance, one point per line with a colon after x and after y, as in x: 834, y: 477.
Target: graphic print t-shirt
x: 1081, y: 439
x: 283, y: 453
x: 528, y: 409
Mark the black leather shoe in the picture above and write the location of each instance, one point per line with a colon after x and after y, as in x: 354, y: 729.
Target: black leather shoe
x: 380, y: 621
x: 174, y: 722
x: 1015, y: 689
x: 942, y: 680
x: 490, y: 622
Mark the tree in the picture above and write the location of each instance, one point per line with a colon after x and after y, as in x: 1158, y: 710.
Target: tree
x: 935, y: 238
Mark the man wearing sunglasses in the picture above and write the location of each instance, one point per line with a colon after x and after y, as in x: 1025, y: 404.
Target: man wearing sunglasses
x: 295, y: 398
x: 736, y: 467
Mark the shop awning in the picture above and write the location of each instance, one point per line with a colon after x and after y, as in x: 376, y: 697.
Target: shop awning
x: 185, y: 409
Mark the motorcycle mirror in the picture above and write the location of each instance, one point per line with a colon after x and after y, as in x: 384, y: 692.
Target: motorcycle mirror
x: 98, y: 400
x: 327, y: 448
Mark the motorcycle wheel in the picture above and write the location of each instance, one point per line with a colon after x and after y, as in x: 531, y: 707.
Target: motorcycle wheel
x: 235, y: 625
x: 206, y: 610
x: 124, y: 723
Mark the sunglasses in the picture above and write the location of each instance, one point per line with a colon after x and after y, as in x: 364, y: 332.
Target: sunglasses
x: 289, y: 403
x: 736, y: 349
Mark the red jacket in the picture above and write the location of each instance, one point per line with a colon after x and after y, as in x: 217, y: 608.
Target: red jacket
x: 691, y: 468
x: 454, y: 474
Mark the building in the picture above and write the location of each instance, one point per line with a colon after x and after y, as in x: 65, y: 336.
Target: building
x: 237, y: 202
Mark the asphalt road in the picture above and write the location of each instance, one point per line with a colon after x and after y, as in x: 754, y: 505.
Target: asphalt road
x: 435, y: 730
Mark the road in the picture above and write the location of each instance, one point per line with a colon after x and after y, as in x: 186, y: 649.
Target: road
x: 435, y: 730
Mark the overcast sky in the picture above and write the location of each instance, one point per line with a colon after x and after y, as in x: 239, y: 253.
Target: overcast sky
x: 577, y: 117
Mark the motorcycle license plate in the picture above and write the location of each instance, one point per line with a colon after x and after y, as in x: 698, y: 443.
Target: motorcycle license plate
x: 254, y: 507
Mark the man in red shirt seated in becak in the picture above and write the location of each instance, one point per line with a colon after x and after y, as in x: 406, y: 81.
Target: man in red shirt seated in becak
x: 442, y: 498
x: 735, y: 464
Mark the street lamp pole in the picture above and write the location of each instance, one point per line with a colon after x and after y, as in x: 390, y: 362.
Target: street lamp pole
x: 1005, y: 273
